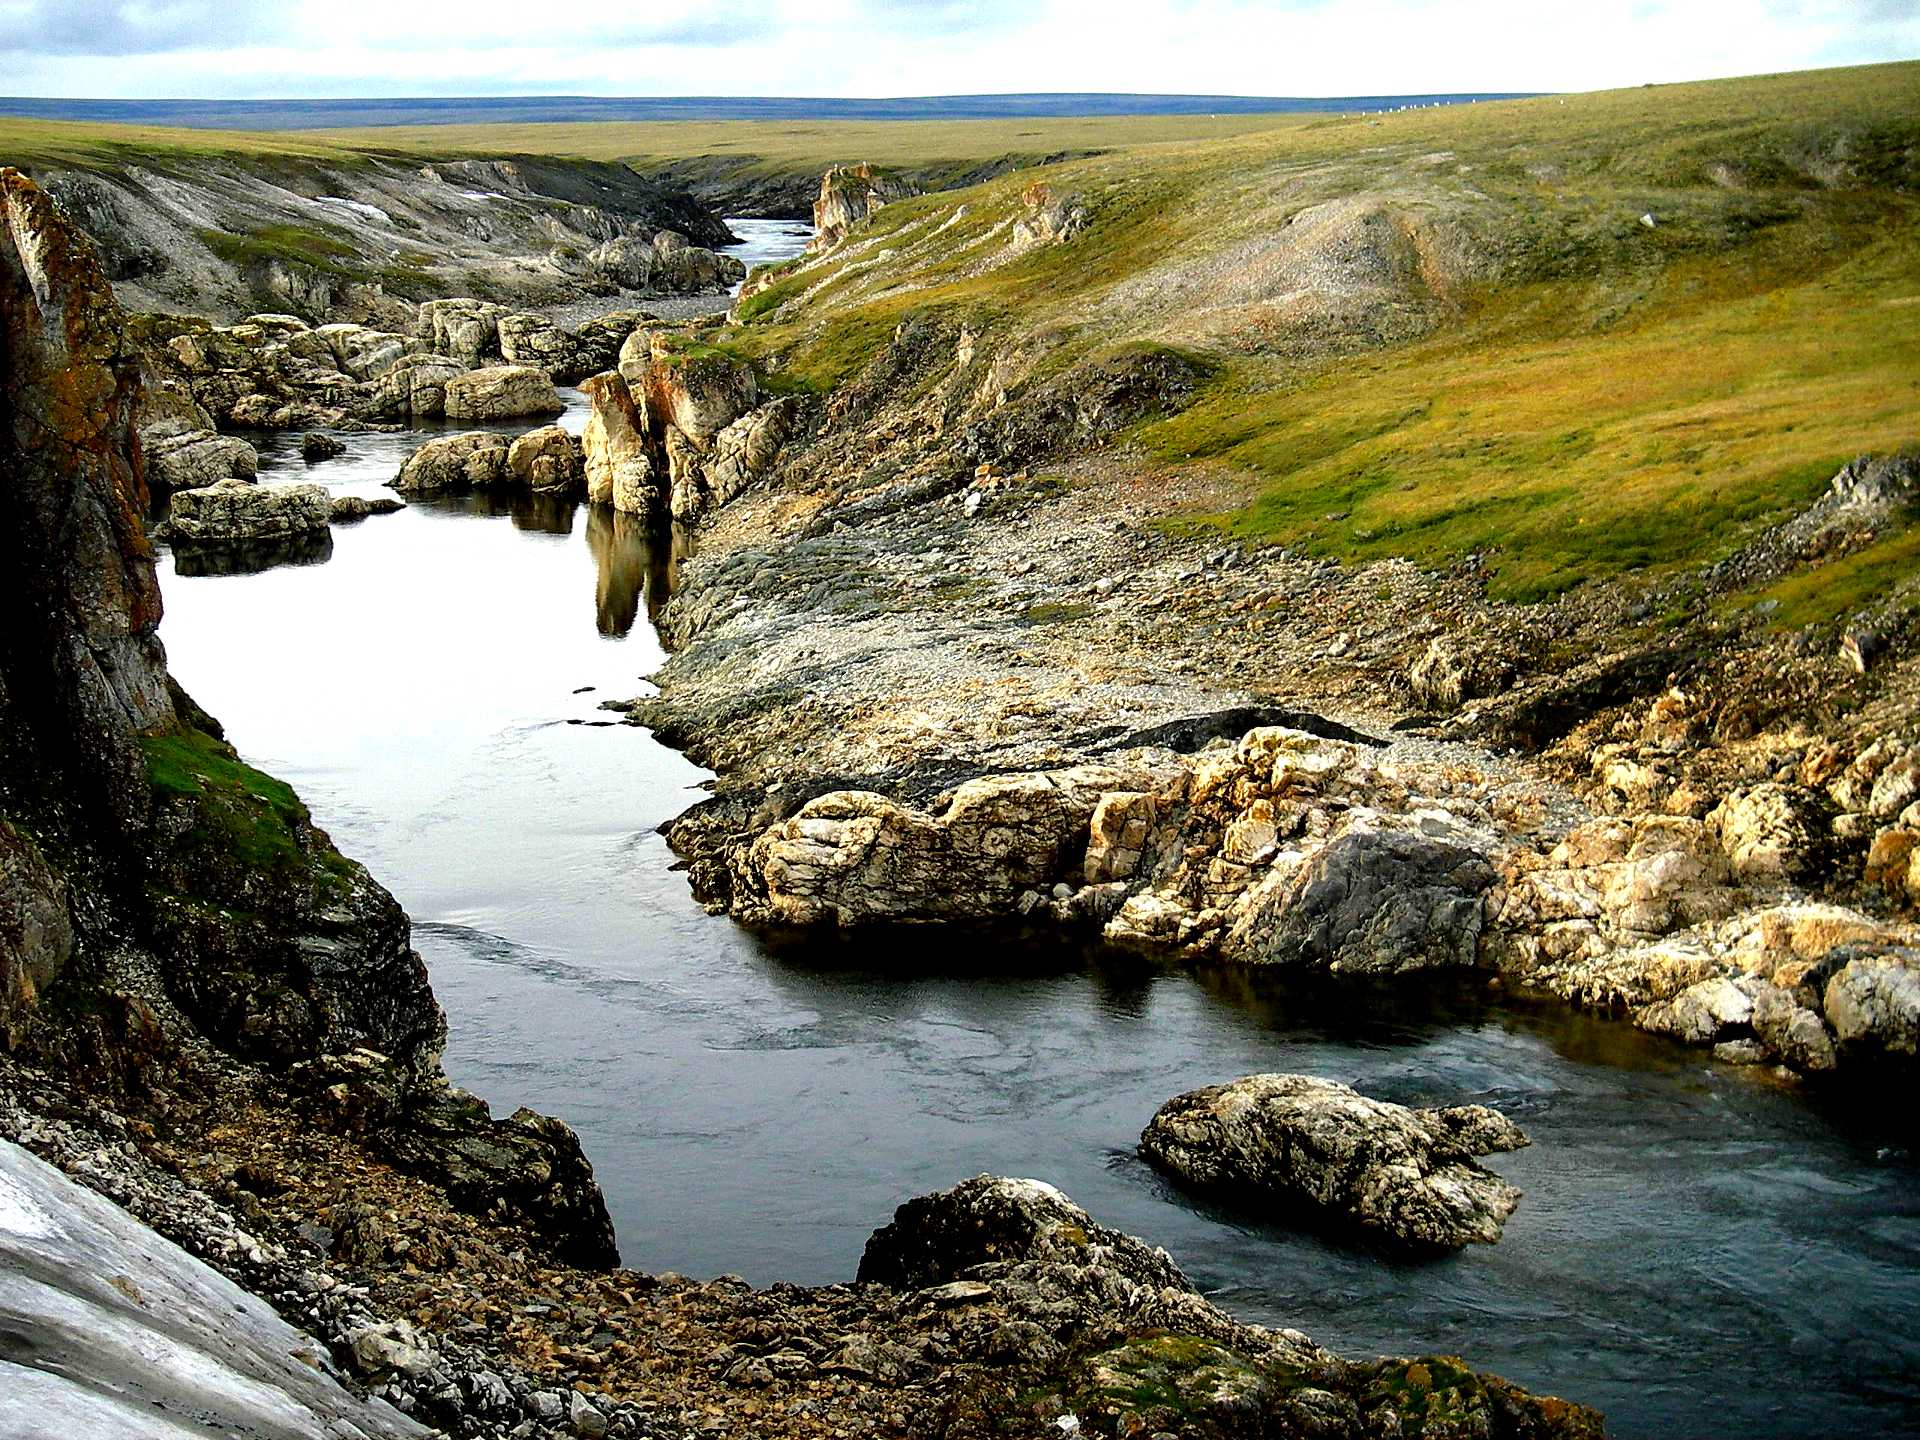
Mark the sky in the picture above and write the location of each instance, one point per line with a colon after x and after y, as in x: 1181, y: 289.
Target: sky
x: 196, y: 49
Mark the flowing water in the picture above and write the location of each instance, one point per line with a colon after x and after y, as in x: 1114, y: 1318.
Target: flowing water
x: 1698, y: 1252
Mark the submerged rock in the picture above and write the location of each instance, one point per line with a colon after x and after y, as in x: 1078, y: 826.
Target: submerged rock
x: 1404, y: 1176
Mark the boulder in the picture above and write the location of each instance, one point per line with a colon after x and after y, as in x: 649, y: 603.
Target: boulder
x: 416, y: 386
x: 315, y: 446
x: 471, y: 460
x: 466, y: 329
x: 1767, y: 832
x: 359, y: 507
x: 1406, y: 1177
x: 1374, y: 900
x: 1452, y: 671
x: 193, y: 459
x: 500, y: 392
x: 533, y: 340
x: 1873, y: 1003
x: 697, y: 390
x: 234, y: 512
x: 548, y: 461
x: 990, y: 1219
x: 1050, y: 219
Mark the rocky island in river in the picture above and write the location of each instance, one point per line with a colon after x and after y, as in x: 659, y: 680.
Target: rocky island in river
x: 1111, y: 556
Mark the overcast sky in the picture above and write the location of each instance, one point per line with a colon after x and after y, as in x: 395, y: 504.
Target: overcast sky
x: 240, y: 48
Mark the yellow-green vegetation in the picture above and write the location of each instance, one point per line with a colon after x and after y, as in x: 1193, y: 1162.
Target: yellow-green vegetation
x: 1452, y: 331
x: 240, y: 812
x: 769, y: 147
x: 1188, y: 1375
x: 1840, y: 587
x: 85, y: 142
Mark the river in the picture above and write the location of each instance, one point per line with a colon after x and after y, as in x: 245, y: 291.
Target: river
x: 1699, y: 1251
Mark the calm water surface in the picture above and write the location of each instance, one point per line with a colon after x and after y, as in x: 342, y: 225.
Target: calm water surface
x: 1698, y: 1252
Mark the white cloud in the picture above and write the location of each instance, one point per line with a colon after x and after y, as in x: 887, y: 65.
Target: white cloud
x: 221, y: 48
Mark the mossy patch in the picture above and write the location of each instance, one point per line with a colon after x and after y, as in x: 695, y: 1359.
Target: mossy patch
x: 1181, y: 1377
x: 241, y: 815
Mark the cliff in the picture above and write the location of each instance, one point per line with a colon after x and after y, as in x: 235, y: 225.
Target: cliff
x: 171, y: 918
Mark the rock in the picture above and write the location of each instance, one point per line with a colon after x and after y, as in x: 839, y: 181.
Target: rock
x: 36, y: 928
x: 617, y: 460
x: 1792, y: 1031
x: 532, y: 340
x: 359, y: 507
x: 317, y: 446
x: 194, y: 459
x: 1704, y: 1013
x: 585, y: 1418
x: 235, y: 512
x: 548, y: 461
x: 1890, y: 863
x: 500, y: 392
x: 1767, y: 832
x: 1859, y: 648
x: 82, y: 673
x: 466, y: 330
x: 1372, y: 901
x: 389, y: 1346
x: 114, y: 1331
x: 1452, y: 671
x: 416, y: 387
x: 471, y: 460
x: 696, y: 390
x: 936, y: 1239
x: 1403, y: 1176
x: 848, y: 195
x: 1050, y: 219
x: 1873, y: 1003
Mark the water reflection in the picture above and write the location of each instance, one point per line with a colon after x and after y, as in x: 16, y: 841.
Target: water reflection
x: 632, y: 562
x: 250, y: 557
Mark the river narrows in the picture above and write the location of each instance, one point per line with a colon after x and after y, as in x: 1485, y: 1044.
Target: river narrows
x: 1698, y: 1251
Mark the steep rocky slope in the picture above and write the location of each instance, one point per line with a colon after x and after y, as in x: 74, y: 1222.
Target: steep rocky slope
x: 336, y: 234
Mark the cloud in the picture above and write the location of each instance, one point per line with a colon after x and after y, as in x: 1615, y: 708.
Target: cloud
x: 307, y: 48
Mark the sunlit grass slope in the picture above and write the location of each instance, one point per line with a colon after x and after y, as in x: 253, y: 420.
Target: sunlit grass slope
x: 1451, y: 331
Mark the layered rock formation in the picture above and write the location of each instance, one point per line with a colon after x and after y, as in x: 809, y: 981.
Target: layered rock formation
x: 678, y: 429
x: 1404, y: 1176
x: 848, y: 195
x: 113, y: 1331
x: 237, y: 512
x: 167, y: 913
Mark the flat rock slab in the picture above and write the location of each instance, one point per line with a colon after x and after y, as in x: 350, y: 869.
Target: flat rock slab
x: 1402, y: 1176
x: 109, y: 1331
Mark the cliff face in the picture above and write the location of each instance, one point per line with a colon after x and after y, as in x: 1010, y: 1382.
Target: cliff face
x: 166, y: 910
x: 82, y: 672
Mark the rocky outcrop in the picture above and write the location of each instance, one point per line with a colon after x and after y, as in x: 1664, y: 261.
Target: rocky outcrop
x: 678, y: 429
x: 237, y: 512
x: 82, y: 672
x: 471, y: 460
x: 848, y: 195
x: 1404, y: 1177
x: 1141, y: 1351
x: 114, y: 1331
x: 669, y: 263
x: 194, y: 459
x: 1049, y: 219
x: 500, y: 392
x: 548, y: 461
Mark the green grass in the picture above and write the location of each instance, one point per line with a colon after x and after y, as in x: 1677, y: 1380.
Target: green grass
x: 286, y: 243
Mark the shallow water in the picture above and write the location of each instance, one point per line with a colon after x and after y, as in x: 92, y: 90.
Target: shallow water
x: 1698, y: 1251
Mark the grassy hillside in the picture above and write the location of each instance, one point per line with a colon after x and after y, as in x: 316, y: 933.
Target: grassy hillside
x: 1452, y: 331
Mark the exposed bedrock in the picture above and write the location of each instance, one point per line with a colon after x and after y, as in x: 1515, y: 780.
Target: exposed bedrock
x: 1142, y: 1351
x: 164, y: 907
x: 112, y: 1331
x: 1292, y: 849
x: 679, y: 429
x: 848, y: 195
x: 1298, y: 1143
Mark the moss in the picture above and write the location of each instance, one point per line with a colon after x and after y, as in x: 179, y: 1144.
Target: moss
x: 285, y: 244
x: 1055, y: 612
x: 240, y: 813
x: 1179, y: 1377
x: 1839, y: 588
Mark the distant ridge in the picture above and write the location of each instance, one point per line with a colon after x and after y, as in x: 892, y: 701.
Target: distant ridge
x: 535, y: 109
